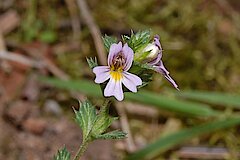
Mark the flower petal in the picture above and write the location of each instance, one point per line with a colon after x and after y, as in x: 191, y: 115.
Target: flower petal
x: 102, y: 73
x: 157, y: 59
x: 118, y: 91
x: 161, y: 69
x: 114, y: 88
x: 114, y: 50
x: 157, y: 41
x: 128, y: 54
x: 131, y: 81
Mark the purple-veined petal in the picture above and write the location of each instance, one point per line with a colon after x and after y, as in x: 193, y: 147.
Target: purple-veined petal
x: 156, y: 60
x: 102, y: 73
x: 128, y: 54
x: 114, y: 88
x: 113, y: 51
x: 157, y: 41
x: 131, y: 81
x: 169, y: 78
x: 160, y: 66
x: 161, y: 69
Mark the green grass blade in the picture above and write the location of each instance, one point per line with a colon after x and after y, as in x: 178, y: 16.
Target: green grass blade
x: 157, y: 100
x: 216, y: 98
x: 169, y: 141
x: 163, y: 102
x: 84, y: 86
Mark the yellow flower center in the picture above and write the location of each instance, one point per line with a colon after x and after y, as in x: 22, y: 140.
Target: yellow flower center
x: 117, y: 76
x: 117, y: 67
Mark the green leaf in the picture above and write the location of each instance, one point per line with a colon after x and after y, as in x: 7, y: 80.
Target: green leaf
x: 157, y: 100
x: 113, y: 135
x: 86, y: 117
x: 169, y: 141
x: 138, y: 40
x: 108, y: 41
x: 102, y: 123
x: 212, y: 97
x: 62, y: 154
x: 92, y: 62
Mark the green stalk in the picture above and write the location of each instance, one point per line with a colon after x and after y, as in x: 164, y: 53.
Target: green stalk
x: 81, y: 150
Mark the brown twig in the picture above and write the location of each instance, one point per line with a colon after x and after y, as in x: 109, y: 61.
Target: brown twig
x: 125, y: 127
x: 3, y: 63
x: 75, y: 22
x: 19, y: 58
x: 8, y: 22
x: 95, y: 31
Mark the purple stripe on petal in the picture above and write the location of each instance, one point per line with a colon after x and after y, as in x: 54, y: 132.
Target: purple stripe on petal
x: 161, y: 69
x: 102, y: 73
x: 169, y: 78
x: 131, y: 81
x: 157, y: 41
x: 128, y: 54
x: 156, y: 60
x: 113, y: 51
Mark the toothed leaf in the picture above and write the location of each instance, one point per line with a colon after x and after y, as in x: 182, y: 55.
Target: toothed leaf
x: 86, y: 117
x: 108, y: 41
x: 92, y: 62
x: 62, y: 154
x: 103, y: 121
x: 113, y: 135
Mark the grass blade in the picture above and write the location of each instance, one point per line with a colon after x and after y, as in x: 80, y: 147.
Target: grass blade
x: 169, y: 141
x: 213, y: 98
x: 157, y: 100
x: 170, y: 104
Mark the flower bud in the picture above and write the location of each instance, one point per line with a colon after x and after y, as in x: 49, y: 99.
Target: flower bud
x: 147, y: 54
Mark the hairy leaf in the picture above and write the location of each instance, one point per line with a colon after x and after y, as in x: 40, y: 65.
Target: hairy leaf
x: 92, y: 62
x: 103, y: 121
x: 108, y: 41
x: 62, y: 154
x: 86, y: 117
x: 113, y: 135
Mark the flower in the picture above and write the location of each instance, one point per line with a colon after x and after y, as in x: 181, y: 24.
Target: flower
x: 120, y: 60
x: 154, y: 59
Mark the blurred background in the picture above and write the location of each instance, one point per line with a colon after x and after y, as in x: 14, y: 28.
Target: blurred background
x: 43, y: 74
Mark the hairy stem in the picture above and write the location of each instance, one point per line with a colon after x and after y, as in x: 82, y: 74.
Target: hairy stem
x: 81, y: 150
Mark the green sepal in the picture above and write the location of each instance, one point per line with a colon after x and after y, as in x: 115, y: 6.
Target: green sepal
x: 138, y: 40
x: 113, y: 135
x: 144, y: 71
x: 62, y: 154
x: 92, y: 62
x: 108, y: 41
x: 86, y: 118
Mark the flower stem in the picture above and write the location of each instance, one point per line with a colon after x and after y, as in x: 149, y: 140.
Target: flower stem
x: 106, y: 104
x: 81, y: 150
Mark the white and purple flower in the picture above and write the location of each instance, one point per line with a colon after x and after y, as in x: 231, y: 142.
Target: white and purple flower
x: 120, y: 60
x: 155, y: 54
